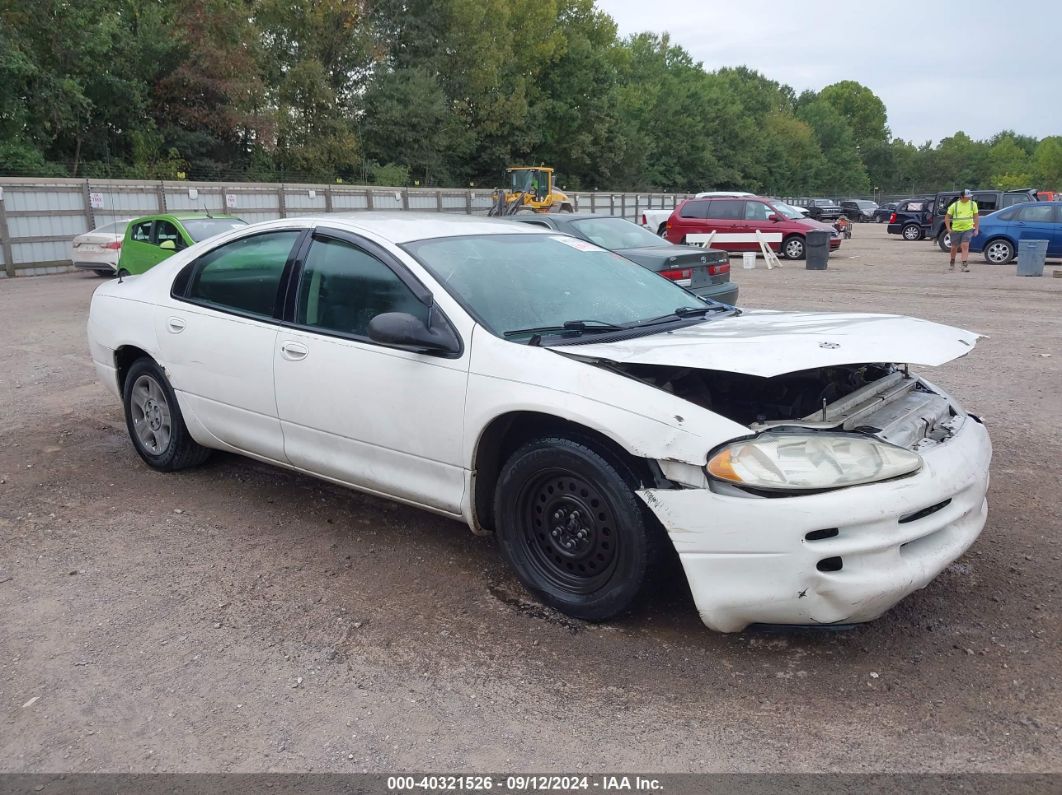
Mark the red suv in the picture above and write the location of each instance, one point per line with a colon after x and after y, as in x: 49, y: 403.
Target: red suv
x: 735, y: 220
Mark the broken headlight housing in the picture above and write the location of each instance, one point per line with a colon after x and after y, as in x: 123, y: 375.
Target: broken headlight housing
x: 794, y: 461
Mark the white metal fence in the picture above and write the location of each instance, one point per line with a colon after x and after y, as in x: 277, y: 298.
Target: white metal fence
x: 39, y: 217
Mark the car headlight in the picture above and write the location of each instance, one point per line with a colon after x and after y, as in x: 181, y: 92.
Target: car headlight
x: 810, y: 461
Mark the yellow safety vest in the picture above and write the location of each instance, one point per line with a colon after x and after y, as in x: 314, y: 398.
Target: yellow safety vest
x: 962, y: 215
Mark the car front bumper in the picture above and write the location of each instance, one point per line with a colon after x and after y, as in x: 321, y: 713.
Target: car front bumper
x: 748, y: 560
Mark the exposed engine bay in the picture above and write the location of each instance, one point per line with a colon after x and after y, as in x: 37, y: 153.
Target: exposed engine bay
x: 878, y: 399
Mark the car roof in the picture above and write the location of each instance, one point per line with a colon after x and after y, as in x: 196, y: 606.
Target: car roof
x: 188, y: 216
x: 403, y: 226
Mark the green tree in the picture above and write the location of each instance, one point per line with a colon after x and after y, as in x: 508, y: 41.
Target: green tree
x: 1048, y: 163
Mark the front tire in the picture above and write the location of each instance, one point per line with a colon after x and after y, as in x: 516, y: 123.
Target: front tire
x: 912, y: 232
x: 999, y: 252
x: 793, y: 247
x: 573, y: 530
x: 153, y: 418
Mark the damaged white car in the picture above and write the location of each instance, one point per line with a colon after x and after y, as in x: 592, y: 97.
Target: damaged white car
x: 588, y: 412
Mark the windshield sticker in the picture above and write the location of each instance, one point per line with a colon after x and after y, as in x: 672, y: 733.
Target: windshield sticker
x: 576, y: 243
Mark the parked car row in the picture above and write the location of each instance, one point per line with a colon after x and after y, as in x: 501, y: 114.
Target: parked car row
x: 922, y: 217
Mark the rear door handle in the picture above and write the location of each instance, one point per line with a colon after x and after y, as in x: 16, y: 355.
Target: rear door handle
x: 294, y: 351
x: 175, y: 325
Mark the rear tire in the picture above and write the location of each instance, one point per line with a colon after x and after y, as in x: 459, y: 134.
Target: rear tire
x: 912, y: 232
x: 793, y: 247
x: 570, y: 525
x: 944, y: 241
x: 104, y: 274
x: 154, y: 420
x: 662, y: 229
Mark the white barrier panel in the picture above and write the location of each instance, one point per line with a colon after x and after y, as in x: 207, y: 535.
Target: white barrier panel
x: 733, y: 237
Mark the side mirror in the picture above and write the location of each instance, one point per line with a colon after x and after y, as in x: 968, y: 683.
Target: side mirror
x: 401, y: 328
x: 168, y: 245
x: 774, y: 217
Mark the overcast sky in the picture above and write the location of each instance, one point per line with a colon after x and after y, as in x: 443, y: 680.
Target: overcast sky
x: 975, y: 65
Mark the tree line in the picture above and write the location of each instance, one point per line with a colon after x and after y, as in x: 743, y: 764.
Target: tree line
x: 441, y: 92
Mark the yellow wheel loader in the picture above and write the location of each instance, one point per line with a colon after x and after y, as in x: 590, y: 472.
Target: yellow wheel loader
x: 530, y: 191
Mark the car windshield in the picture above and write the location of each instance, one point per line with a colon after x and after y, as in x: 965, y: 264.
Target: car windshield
x: 527, y: 282
x: 618, y: 233
x: 202, y: 228
x: 788, y: 210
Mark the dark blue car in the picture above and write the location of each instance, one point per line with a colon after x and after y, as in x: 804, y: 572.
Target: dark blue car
x: 1001, y: 231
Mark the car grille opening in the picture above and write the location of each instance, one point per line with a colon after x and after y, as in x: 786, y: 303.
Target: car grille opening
x: 818, y: 535
x: 829, y: 564
x: 922, y: 514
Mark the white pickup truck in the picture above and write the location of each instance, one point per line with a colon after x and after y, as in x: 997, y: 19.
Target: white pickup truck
x: 656, y: 220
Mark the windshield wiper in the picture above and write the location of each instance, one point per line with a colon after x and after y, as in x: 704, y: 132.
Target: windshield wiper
x: 573, y: 326
x: 688, y: 311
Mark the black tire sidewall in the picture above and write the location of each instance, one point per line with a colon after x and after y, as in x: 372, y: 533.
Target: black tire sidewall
x: 903, y: 233
x: 179, y: 437
x: 635, y: 548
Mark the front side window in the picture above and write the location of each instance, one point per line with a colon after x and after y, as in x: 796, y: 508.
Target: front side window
x: 164, y: 230
x: 141, y: 232
x: 756, y: 211
x: 342, y: 288
x: 244, y: 275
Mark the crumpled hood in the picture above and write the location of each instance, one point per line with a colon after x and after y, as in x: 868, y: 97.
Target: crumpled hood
x: 767, y: 343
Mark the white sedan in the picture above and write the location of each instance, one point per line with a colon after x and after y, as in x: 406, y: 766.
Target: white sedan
x: 594, y: 417
x: 98, y: 249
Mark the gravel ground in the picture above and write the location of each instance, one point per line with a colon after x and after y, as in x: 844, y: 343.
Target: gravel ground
x: 241, y: 618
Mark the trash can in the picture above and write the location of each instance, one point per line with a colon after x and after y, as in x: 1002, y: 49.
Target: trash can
x: 1031, y: 256
x: 816, y: 250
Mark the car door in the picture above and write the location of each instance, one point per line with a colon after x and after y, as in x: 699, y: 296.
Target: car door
x: 137, y: 249
x: 373, y: 416
x: 756, y: 218
x: 1036, y: 221
x: 218, y: 336
x: 727, y: 217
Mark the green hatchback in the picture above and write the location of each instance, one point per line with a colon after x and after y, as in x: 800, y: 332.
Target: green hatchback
x: 152, y: 238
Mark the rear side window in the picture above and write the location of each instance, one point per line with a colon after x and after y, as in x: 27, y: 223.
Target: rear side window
x: 141, y: 232
x: 986, y: 203
x: 342, y: 288
x: 727, y: 209
x: 244, y: 276
x: 1010, y: 199
x: 1036, y: 212
x: 912, y: 207
x: 697, y: 208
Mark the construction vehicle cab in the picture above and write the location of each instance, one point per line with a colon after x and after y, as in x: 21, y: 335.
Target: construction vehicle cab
x: 530, y: 189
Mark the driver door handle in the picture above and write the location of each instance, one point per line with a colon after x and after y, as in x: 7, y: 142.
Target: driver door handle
x: 294, y: 351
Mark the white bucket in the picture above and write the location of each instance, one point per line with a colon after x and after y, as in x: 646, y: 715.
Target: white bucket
x: 748, y: 260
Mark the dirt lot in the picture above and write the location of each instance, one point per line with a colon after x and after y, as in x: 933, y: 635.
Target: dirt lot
x: 241, y: 618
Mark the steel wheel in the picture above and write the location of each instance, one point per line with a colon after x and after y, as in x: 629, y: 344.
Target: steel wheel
x: 152, y: 420
x: 999, y: 252
x: 569, y: 531
x: 912, y: 232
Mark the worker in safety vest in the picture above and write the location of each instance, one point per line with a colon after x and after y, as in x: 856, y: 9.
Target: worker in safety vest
x: 962, y: 222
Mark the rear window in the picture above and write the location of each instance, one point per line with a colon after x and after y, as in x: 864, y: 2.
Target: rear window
x: 202, y: 228
x: 912, y: 207
x: 697, y: 208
